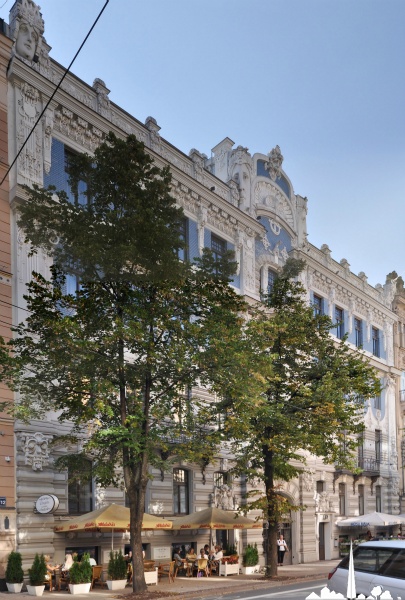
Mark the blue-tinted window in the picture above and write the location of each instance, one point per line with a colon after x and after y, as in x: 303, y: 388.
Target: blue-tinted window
x: 271, y: 278
x: 358, y: 332
x: 340, y: 322
x: 318, y: 305
x: 376, y: 341
x: 183, y: 233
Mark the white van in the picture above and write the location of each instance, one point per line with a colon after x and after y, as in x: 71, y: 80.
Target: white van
x: 375, y: 563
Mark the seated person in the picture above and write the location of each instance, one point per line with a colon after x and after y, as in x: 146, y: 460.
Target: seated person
x: 92, y: 561
x: 218, y: 553
x: 67, y: 564
x: 51, y: 571
x: 191, y: 558
x: 203, y: 554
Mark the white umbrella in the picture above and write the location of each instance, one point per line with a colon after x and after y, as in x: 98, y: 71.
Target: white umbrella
x: 374, y: 519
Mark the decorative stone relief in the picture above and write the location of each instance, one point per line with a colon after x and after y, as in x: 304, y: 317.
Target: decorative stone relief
x: 240, y: 170
x: 156, y: 508
x: 323, y: 502
x: 26, y: 28
x: 36, y: 450
x: 100, y: 496
x: 76, y: 128
x: 266, y: 194
x: 28, y: 110
x: 308, y: 480
x: 198, y: 162
x: 103, y: 101
x: 202, y: 221
x: 154, y: 135
x: 224, y: 497
x: 235, y: 194
x: 47, y: 121
x: 273, y: 165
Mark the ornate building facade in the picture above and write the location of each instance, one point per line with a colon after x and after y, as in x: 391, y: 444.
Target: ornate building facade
x: 231, y: 201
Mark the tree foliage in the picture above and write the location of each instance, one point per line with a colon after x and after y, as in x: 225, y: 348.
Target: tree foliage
x: 116, y: 357
x: 313, y: 404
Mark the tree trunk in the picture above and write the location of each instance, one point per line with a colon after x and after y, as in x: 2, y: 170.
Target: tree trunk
x: 136, y: 509
x: 272, y: 517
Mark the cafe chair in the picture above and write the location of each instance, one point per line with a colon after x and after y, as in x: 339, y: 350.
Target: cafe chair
x: 202, y: 567
x: 214, y: 567
x: 96, y: 576
x: 190, y: 568
x: 167, y: 571
x: 63, y: 579
x: 48, y: 580
x: 182, y: 567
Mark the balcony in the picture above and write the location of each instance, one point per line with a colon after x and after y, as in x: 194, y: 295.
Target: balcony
x: 370, y: 466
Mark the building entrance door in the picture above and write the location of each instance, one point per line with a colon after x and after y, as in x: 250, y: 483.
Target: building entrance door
x: 321, y: 541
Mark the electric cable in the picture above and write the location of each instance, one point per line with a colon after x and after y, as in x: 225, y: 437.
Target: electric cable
x: 53, y: 94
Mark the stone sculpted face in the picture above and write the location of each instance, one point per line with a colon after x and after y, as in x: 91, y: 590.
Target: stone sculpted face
x: 26, y: 41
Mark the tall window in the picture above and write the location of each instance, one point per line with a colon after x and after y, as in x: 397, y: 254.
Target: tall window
x: 320, y: 487
x: 378, y: 503
x: 376, y: 341
x: 80, y: 492
x: 378, y: 446
x: 342, y: 498
x: 180, y: 492
x: 361, y: 499
x: 358, y: 332
x: 77, y: 194
x: 218, y: 247
x: 360, y: 451
x: 377, y: 402
x: 340, y: 322
x: 318, y: 305
x: 183, y: 235
x: 271, y: 278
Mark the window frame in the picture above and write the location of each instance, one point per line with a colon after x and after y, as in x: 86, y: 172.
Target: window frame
x: 358, y: 332
x: 318, y: 305
x: 375, y: 336
x: 340, y: 322
x: 84, y: 493
x: 178, y: 486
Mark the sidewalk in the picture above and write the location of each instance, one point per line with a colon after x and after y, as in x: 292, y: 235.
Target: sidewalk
x: 186, y: 587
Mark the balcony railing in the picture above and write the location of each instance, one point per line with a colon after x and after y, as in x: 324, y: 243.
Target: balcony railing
x: 370, y: 466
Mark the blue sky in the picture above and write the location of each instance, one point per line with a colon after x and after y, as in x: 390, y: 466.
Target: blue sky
x: 323, y: 79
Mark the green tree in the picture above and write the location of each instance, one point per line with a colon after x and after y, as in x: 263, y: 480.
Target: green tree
x: 313, y: 404
x: 117, y: 356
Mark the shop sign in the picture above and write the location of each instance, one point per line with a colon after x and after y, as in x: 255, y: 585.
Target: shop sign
x: 46, y: 504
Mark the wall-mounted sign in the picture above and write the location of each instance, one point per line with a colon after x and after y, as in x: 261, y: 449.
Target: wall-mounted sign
x: 46, y: 504
x: 3, y: 501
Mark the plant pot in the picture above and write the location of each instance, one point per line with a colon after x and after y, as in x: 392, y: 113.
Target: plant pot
x: 14, y: 588
x: 226, y: 569
x: 116, y: 584
x: 79, y: 588
x: 35, y: 590
x: 250, y: 570
x: 151, y: 577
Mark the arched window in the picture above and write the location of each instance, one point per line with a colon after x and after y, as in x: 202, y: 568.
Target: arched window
x: 180, y: 492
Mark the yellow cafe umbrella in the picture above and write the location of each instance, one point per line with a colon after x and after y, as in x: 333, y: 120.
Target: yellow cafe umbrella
x: 215, y: 518
x: 113, y: 517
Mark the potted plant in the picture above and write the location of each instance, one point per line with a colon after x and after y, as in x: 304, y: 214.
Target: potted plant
x: 250, y: 560
x: 14, y: 573
x: 117, y: 571
x: 80, y: 575
x: 37, y: 575
x: 229, y: 565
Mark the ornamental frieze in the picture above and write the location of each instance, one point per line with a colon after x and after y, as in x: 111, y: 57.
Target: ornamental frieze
x: 77, y: 128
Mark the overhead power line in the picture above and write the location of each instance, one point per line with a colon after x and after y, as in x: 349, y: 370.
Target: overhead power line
x: 54, y: 92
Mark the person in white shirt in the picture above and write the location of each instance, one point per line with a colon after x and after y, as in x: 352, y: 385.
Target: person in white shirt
x: 92, y: 561
x: 282, y: 548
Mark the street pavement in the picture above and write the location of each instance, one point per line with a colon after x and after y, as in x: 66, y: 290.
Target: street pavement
x: 193, y: 587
